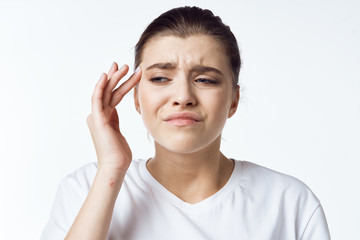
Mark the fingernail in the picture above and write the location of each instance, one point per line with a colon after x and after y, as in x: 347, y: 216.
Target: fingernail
x: 122, y: 67
x: 137, y: 69
x: 101, y: 75
x: 112, y: 65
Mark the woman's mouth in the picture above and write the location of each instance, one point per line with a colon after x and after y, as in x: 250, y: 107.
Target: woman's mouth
x: 182, y: 119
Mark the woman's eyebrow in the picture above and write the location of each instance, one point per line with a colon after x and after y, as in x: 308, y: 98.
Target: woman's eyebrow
x: 167, y: 65
x: 197, y: 68
x: 203, y: 69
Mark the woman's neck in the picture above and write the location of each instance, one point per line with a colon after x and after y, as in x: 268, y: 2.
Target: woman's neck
x: 191, y: 176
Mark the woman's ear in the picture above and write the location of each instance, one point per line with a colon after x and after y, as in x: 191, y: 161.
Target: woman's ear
x: 136, y: 99
x: 235, y: 102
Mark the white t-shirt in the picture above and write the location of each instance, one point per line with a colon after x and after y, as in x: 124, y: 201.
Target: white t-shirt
x: 255, y: 204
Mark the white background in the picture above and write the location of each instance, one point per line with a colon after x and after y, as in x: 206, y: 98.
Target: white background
x: 299, y: 111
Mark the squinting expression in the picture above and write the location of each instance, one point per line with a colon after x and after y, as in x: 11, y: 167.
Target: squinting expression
x: 185, y: 93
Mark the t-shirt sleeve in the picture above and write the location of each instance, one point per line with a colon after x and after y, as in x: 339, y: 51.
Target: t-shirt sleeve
x: 317, y: 228
x: 70, y: 195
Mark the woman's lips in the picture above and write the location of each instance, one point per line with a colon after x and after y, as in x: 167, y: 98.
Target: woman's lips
x: 183, y: 119
x: 182, y: 122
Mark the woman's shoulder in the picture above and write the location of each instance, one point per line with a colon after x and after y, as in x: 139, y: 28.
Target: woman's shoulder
x: 284, y: 201
x: 258, y: 173
x: 268, y: 182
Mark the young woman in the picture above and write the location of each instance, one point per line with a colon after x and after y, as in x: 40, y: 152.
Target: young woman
x: 185, y: 88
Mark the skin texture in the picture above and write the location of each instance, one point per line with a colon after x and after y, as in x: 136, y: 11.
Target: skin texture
x: 194, y: 83
x: 188, y: 75
x: 180, y: 90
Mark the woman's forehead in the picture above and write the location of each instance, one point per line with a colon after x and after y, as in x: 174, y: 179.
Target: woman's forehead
x: 190, y: 51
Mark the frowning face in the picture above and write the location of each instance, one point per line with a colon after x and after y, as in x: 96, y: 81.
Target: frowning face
x: 185, y: 94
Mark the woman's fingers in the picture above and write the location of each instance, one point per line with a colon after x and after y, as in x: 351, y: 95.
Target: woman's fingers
x: 125, y: 87
x: 113, y: 69
x: 97, y: 97
x: 112, y: 82
x: 104, y: 93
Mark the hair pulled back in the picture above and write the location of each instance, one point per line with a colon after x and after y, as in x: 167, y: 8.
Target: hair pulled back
x: 188, y: 21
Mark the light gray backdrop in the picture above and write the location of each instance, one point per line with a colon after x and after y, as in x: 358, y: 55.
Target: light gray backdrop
x: 299, y: 111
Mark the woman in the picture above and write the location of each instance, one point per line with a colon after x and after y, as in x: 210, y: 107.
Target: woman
x: 185, y: 88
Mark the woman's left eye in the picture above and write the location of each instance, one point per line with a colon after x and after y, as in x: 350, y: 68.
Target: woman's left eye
x: 159, y: 79
x: 206, y: 81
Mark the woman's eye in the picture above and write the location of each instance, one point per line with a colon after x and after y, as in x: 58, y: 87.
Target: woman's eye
x: 206, y: 81
x: 159, y: 79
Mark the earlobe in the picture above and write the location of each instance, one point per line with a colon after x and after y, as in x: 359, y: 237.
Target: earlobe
x: 136, y: 100
x: 138, y: 109
x: 235, y: 102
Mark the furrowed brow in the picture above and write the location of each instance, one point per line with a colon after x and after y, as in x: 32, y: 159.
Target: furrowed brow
x: 203, y: 69
x: 167, y: 65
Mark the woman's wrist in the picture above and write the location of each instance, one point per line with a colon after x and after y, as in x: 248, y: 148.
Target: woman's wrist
x: 110, y: 176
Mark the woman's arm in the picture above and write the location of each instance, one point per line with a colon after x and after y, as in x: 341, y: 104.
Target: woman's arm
x: 113, y: 154
x: 94, y: 217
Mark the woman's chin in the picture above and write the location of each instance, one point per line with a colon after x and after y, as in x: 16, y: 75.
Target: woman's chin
x: 184, y: 145
x: 181, y: 147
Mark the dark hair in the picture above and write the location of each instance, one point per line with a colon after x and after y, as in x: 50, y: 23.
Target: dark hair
x: 186, y: 21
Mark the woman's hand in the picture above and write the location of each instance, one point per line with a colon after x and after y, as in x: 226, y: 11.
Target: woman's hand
x: 112, y: 149
x: 113, y: 152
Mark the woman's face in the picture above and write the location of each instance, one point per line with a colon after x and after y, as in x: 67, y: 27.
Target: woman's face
x: 185, y: 93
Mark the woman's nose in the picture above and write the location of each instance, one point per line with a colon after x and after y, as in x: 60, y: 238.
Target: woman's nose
x: 184, y: 95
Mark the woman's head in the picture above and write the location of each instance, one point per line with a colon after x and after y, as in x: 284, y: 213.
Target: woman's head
x: 188, y: 87
x: 184, y: 22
